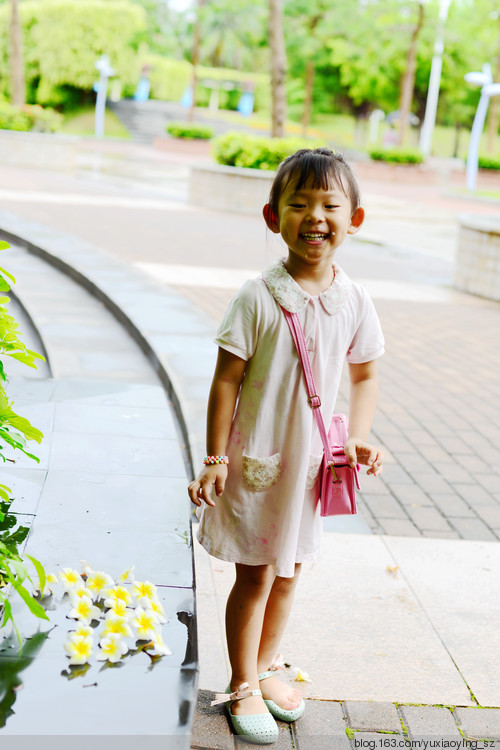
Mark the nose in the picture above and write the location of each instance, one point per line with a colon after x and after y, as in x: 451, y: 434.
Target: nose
x: 315, y: 214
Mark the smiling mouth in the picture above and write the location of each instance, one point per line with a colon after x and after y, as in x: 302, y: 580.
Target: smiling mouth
x: 314, y: 236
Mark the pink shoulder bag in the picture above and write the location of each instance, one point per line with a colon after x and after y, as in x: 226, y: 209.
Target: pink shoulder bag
x: 337, y: 480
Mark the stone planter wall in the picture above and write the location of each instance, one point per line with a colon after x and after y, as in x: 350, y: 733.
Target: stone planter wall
x: 229, y: 188
x: 477, y: 265
x: 38, y: 150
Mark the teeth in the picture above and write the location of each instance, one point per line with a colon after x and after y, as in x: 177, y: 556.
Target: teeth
x: 311, y: 236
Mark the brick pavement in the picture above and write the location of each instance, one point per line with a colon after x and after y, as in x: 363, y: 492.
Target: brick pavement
x: 342, y: 725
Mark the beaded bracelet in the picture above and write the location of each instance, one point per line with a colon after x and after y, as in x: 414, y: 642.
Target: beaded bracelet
x: 209, y: 460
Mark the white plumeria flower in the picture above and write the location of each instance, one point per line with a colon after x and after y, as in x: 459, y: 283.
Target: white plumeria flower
x: 117, y: 593
x: 98, y: 582
x: 112, y: 647
x: 81, y: 630
x: 299, y: 675
x: 76, y: 594
x: 79, y: 649
x: 119, y: 609
x: 71, y: 579
x: 118, y: 626
x: 52, y: 578
x: 85, y: 611
x: 126, y: 575
x: 145, y: 622
x: 157, y: 608
x: 144, y: 590
x: 159, y: 646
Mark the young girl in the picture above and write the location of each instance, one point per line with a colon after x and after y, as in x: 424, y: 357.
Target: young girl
x: 256, y: 490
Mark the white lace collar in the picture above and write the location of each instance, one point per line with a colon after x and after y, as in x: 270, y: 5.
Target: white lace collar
x: 293, y: 298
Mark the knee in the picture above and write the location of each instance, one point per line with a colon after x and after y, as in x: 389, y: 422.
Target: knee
x: 255, y: 576
x: 287, y: 584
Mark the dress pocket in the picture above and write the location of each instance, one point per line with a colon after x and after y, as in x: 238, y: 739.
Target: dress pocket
x: 261, y: 473
x: 313, y: 471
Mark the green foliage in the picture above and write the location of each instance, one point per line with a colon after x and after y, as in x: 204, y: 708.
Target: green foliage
x: 29, y: 117
x: 256, y: 152
x: 15, y: 432
x: 397, y: 155
x: 189, y: 130
x: 64, y: 38
x: 489, y: 162
x: 170, y: 78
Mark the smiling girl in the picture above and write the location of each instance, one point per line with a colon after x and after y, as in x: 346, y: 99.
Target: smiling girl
x: 258, y: 507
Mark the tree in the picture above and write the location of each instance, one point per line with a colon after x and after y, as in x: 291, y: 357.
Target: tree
x: 307, y: 32
x: 64, y: 38
x: 278, y: 69
x: 17, y: 82
x: 493, y: 116
x: 408, y: 79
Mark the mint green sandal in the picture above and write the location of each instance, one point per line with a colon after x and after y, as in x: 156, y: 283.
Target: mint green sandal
x: 283, y: 714
x: 258, y: 728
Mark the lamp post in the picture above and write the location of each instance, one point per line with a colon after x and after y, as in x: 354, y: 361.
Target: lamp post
x: 488, y: 89
x: 434, y: 82
x: 101, y: 87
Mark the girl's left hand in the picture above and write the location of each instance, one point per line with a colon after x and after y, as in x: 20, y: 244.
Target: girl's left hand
x: 360, y: 452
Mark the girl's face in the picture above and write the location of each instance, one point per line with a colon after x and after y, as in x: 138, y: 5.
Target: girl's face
x: 314, y: 222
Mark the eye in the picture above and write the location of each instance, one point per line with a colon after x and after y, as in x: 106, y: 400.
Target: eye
x: 330, y: 206
x: 297, y: 205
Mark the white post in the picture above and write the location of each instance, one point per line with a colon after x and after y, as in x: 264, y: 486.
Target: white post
x: 105, y: 71
x: 488, y: 88
x: 475, y: 137
x: 434, y: 82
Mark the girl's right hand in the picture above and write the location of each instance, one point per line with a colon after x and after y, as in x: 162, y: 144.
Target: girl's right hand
x: 201, y: 488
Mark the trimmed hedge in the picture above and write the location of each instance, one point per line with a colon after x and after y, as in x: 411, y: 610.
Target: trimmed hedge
x: 488, y: 162
x: 189, y: 130
x: 29, y: 117
x: 397, y: 156
x: 256, y: 152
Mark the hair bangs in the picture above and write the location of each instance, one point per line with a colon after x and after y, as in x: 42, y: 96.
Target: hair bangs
x: 319, y: 169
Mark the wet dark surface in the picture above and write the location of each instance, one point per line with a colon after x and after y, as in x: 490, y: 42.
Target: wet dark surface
x: 110, y: 489
x: 134, y: 696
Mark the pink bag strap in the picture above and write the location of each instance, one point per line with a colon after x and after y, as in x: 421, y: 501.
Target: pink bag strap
x: 314, y: 400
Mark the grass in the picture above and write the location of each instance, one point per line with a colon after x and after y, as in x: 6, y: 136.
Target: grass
x: 81, y: 122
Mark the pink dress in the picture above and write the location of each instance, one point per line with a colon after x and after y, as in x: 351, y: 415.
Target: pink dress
x: 267, y: 513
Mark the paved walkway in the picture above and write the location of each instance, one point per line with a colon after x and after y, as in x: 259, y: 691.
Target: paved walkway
x: 409, y: 588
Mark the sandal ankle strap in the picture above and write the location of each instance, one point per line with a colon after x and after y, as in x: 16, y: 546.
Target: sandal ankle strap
x: 242, y: 691
x: 278, y: 663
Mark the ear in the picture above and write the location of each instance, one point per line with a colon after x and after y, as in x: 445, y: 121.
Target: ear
x: 271, y: 219
x: 356, y: 220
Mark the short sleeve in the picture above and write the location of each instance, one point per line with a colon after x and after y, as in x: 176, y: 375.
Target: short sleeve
x: 239, y: 330
x: 368, y: 341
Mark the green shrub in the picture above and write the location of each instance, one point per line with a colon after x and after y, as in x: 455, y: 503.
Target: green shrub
x: 29, y: 117
x: 397, y: 155
x: 189, y: 130
x: 489, y: 162
x: 256, y: 152
x: 15, y: 432
x: 13, y: 118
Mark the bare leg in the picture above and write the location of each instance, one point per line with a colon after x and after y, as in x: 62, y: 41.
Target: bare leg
x: 279, y: 604
x: 245, y: 609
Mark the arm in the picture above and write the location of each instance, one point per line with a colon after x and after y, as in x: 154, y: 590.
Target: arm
x: 228, y: 376
x: 362, y: 402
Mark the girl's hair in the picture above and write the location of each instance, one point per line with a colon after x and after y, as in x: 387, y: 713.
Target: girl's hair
x: 318, y: 168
